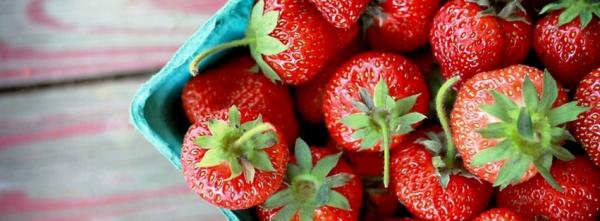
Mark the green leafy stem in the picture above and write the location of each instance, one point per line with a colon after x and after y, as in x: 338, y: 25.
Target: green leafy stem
x: 240, y: 146
x: 584, y: 9
x: 258, y: 38
x: 529, y: 134
x: 310, y: 186
x: 443, y: 118
x: 380, y: 117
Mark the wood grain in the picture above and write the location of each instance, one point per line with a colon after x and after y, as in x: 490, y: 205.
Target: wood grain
x: 45, y: 41
x: 68, y: 153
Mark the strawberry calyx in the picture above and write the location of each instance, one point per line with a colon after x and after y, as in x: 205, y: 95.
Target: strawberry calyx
x: 584, y: 9
x: 531, y: 134
x: 309, y: 187
x: 504, y: 9
x: 437, y: 145
x: 257, y: 38
x: 380, y: 117
x: 239, y: 145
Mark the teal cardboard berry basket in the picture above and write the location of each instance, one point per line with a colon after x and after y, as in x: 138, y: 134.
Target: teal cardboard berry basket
x: 156, y: 110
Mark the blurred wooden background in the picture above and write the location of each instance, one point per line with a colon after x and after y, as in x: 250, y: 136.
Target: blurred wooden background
x: 68, y: 69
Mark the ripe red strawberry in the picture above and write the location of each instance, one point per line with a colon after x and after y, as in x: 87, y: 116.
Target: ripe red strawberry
x: 231, y: 83
x: 402, y: 25
x: 366, y: 163
x: 380, y: 201
x: 568, y: 41
x: 499, y: 214
x: 433, y: 188
x: 309, y: 96
x: 468, y: 38
x: 536, y: 199
x: 341, y: 13
x: 233, y: 160
x: 586, y: 128
x: 289, y: 40
x: 361, y: 110
x: 319, y: 186
x: 369, y: 164
x: 507, y: 128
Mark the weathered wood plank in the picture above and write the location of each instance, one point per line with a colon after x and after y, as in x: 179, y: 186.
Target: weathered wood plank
x: 70, y: 154
x: 45, y: 41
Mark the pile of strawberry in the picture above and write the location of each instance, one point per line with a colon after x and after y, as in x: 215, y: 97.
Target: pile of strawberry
x: 410, y: 108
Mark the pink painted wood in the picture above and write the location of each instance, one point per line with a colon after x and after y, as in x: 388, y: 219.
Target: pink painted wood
x: 69, y: 154
x: 44, y: 41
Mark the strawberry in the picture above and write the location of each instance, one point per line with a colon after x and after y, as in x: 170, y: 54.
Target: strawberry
x: 309, y: 96
x: 401, y: 25
x: 370, y: 165
x: 380, y: 201
x: 568, y: 41
x: 508, y: 124
x: 231, y: 83
x: 360, y: 109
x: 468, y: 37
x: 234, y: 160
x: 499, y: 214
x: 433, y: 186
x: 536, y: 199
x: 289, y: 40
x: 341, y: 13
x: 366, y: 164
x: 319, y: 186
x: 586, y: 128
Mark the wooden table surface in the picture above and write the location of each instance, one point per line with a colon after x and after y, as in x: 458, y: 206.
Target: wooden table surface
x: 67, y: 151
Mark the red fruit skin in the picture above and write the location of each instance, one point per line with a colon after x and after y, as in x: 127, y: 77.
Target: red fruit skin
x: 568, y: 51
x: 517, y: 37
x: 587, y: 127
x: 309, y: 96
x: 405, y: 27
x: 210, y: 184
x: 352, y: 191
x: 465, y: 45
x: 499, y: 214
x: 366, y: 164
x: 231, y: 83
x: 467, y: 117
x: 536, y: 198
x: 369, y: 164
x: 341, y: 13
x: 311, y: 40
x: 363, y: 71
x: 418, y: 188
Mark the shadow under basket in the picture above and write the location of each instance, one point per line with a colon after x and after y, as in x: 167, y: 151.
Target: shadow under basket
x: 156, y: 110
